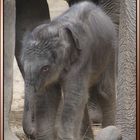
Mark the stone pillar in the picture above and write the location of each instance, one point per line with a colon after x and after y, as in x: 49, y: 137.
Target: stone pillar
x: 126, y: 88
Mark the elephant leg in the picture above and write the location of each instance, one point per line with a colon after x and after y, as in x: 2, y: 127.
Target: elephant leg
x: 9, y: 45
x: 102, y: 101
x: 107, y: 96
x: 40, y: 113
x: 86, y: 128
x: 99, y: 105
x: 75, y: 98
x: 94, y: 107
x: 29, y: 14
x: 108, y: 108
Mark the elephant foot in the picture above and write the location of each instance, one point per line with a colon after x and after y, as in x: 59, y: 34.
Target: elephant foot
x: 109, y: 133
x: 9, y: 135
x: 95, y: 115
x: 30, y: 132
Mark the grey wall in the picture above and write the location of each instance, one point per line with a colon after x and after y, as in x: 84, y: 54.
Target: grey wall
x: 126, y: 88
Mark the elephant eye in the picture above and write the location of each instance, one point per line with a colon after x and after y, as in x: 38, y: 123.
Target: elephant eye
x: 45, y: 69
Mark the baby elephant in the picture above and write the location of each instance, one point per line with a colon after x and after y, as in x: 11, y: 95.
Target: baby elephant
x: 63, y: 60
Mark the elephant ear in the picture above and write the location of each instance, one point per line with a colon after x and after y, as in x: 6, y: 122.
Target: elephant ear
x: 70, y: 37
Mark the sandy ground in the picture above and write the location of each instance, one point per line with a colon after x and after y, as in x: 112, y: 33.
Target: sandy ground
x: 56, y: 7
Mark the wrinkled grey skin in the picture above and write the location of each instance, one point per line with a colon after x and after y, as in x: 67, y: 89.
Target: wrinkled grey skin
x: 71, y: 53
x: 105, y: 108
x: 123, y: 14
x: 102, y: 103
x: 112, y: 9
x: 24, y: 23
x: 19, y: 9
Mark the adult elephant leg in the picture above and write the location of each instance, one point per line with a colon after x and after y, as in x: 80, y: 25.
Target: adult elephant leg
x: 126, y: 96
x: 29, y: 14
x: 9, y: 45
x: 41, y: 109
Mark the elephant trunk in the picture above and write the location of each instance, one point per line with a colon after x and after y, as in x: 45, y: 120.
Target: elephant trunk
x: 40, y: 110
x: 29, y: 112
